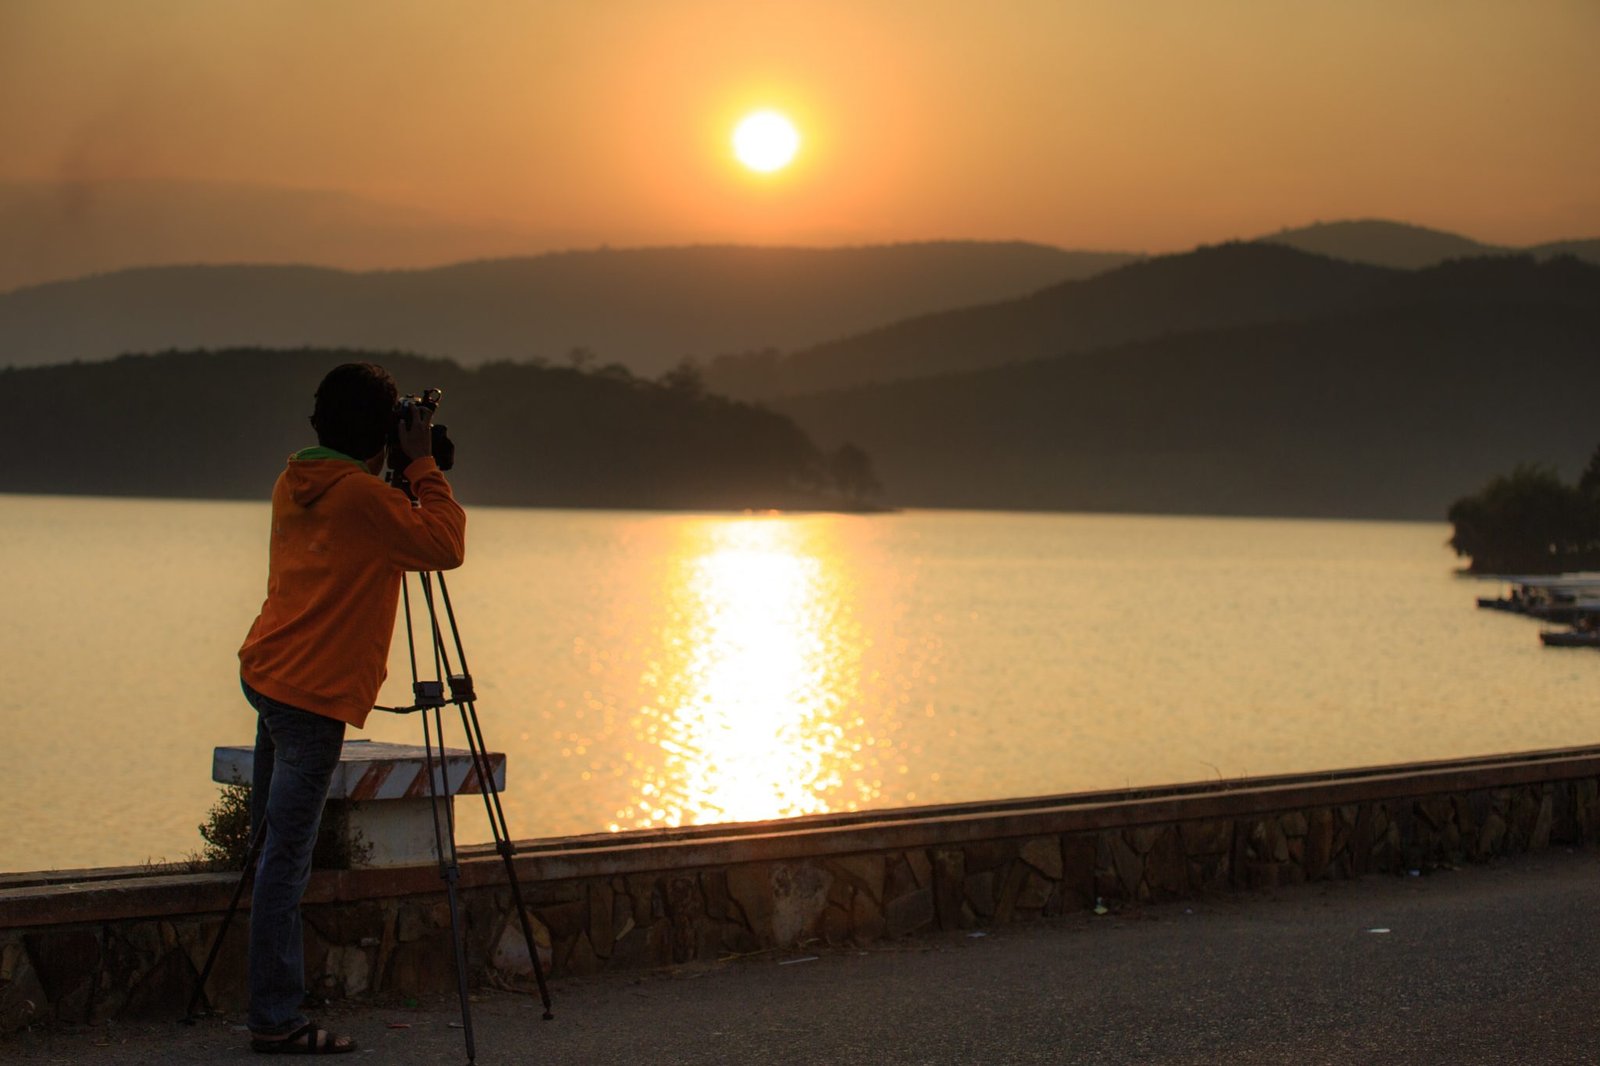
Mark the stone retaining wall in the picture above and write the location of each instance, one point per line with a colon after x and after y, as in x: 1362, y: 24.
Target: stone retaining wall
x: 92, y: 945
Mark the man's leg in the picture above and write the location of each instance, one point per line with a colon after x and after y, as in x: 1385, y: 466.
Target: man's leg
x: 305, y: 753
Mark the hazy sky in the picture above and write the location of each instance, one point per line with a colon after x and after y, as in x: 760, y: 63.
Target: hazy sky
x: 1129, y: 124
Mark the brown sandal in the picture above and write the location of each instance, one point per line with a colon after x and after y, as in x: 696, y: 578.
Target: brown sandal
x: 303, y: 1041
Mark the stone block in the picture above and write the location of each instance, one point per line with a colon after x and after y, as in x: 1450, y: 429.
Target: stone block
x: 1319, y: 841
x: 1166, y: 869
x: 64, y: 963
x: 622, y: 912
x: 545, y: 893
x: 1127, y: 865
x: 347, y: 971
x: 565, y: 920
x: 898, y: 878
x: 750, y: 886
x: 421, y: 966
x: 1034, y: 892
x: 1005, y: 907
x: 23, y: 1000
x: 1044, y: 855
x: 737, y: 939
x: 649, y: 904
x: 601, y: 931
x: 864, y: 873
x: 659, y: 943
x: 683, y: 896
x: 161, y: 988
x: 949, y: 877
x: 1077, y: 870
x: 413, y: 921
x: 1361, y: 840
x: 631, y: 950
x: 1209, y: 872
x: 866, y: 919
x: 1213, y: 837
x: 1277, y: 841
x: 509, y: 954
x: 1540, y: 837
x: 1261, y: 874
x: 1141, y: 838
x: 799, y: 895
x: 980, y: 893
x: 909, y: 913
x: 1258, y: 843
x: 921, y: 867
x: 347, y: 923
x: 1436, y: 811
x: 1492, y: 836
x: 989, y: 854
x: 582, y: 961
x: 836, y: 925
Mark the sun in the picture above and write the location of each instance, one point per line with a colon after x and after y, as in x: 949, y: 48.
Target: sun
x: 765, y: 141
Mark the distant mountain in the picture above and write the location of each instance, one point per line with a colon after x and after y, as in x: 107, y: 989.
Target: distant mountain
x: 1407, y: 247
x: 219, y: 424
x: 58, y: 230
x: 1588, y: 250
x: 1213, y: 286
x: 644, y: 308
x: 1381, y: 243
x: 1388, y: 409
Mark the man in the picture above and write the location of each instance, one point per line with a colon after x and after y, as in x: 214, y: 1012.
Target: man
x: 342, y: 540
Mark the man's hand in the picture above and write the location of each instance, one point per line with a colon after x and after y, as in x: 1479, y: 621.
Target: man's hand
x: 416, y: 439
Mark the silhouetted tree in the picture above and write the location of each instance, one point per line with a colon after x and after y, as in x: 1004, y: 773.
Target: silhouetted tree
x: 851, y: 471
x: 1528, y: 521
x: 686, y: 378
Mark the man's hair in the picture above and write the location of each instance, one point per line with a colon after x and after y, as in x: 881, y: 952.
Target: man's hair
x: 355, y: 405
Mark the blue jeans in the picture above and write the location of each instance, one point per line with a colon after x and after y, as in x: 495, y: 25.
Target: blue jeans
x: 296, y: 754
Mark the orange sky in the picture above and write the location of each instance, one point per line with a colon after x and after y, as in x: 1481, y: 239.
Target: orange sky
x: 1149, y: 125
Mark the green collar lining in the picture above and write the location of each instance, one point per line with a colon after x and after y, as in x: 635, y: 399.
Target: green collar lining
x: 319, y: 452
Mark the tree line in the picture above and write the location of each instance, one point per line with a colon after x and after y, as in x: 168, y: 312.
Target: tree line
x: 1530, y: 521
x: 219, y: 424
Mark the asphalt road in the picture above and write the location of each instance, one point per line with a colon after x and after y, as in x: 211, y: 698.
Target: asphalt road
x: 1488, y: 964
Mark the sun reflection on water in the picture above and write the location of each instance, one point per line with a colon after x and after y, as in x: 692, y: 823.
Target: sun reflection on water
x: 751, y: 707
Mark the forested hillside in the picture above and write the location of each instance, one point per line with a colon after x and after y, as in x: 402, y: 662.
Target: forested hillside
x: 645, y: 308
x: 1215, y: 287
x: 219, y: 424
x: 1388, y: 413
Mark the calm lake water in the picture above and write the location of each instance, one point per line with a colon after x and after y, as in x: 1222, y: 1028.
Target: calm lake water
x: 645, y: 669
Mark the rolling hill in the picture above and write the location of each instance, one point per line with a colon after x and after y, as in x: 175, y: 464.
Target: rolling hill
x: 1209, y: 287
x: 1389, y: 408
x: 646, y: 309
x: 1212, y: 287
x: 1396, y: 244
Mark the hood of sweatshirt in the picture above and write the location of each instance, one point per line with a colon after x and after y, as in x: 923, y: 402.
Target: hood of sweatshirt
x: 314, y: 471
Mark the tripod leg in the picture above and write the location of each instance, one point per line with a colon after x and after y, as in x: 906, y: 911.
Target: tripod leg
x: 502, y: 841
x: 189, y: 1015
x: 444, y: 842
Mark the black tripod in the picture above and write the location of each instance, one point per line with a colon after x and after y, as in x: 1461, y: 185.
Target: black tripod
x: 428, y: 697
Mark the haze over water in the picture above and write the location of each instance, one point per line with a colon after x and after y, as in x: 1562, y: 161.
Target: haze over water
x: 646, y: 669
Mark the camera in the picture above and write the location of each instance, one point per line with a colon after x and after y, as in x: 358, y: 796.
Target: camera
x: 405, y: 408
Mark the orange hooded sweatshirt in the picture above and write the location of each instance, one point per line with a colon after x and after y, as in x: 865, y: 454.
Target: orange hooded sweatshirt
x: 342, y: 541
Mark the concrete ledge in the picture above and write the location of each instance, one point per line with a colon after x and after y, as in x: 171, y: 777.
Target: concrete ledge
x: 607, y: 901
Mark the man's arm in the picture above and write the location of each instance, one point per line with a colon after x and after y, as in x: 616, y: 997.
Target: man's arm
x: 433, y: 534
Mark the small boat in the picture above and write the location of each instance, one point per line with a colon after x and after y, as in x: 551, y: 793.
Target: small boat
x: 1557, y: 598
x: 1570, y: 638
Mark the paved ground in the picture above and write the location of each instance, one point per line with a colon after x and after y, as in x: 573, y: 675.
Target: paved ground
x: 1492, y: 964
